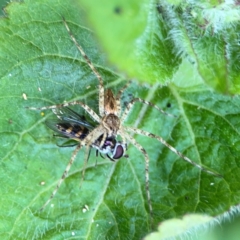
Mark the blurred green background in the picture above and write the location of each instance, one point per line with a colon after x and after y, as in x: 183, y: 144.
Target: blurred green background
x: 2, y: 4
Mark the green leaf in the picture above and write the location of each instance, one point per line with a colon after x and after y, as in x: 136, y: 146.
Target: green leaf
x: 149, y: 39
x: 40, y: 66
x: 196, y: 226
x: 165, y: 230
x: 135, y: 38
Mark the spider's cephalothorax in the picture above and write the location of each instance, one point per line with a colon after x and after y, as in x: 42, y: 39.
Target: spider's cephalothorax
x: 110, y: 125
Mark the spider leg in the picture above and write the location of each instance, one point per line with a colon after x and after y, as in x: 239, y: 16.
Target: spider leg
x: 88, y: 141
x: 91, y: 138
x: 147, y: 134
x: 84, y: 106
x: 130, y: 105
x: 143, y: 151
x: 97, y: 74
x: 118, y: 97
x: 86, y: 157
x: 63, y: 176
x: 104, y: 137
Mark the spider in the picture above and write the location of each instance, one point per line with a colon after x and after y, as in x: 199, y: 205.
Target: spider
x: 110, y: 125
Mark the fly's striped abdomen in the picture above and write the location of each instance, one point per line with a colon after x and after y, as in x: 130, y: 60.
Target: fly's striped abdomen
x: 72, y: 130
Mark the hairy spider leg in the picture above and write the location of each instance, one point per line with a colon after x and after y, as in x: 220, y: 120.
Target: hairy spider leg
x: 83, y: 105
x: 65, y: 173
x: 133, y: 101
x: 101, y: 86
x: 151, y: 135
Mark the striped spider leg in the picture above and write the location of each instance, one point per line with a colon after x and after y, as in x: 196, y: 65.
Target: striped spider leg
x: 71, y: 125
x: 103, y: 136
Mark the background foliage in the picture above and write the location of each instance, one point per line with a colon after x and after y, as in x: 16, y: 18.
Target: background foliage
x: 194, y: 45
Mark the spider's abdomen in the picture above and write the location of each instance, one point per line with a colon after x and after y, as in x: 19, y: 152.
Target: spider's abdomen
x: 110, y: 104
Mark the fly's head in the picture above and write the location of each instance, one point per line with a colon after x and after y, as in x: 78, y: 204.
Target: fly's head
x: 117, y: 149
x: 112, y: 148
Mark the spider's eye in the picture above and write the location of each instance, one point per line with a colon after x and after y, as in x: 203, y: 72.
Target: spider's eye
x: 119, y: 151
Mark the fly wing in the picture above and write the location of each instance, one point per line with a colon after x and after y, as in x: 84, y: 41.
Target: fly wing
x: 68, y: 115
x: 70, y: 129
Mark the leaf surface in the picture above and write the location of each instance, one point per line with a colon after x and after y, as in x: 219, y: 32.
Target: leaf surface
x: 41, y: 66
